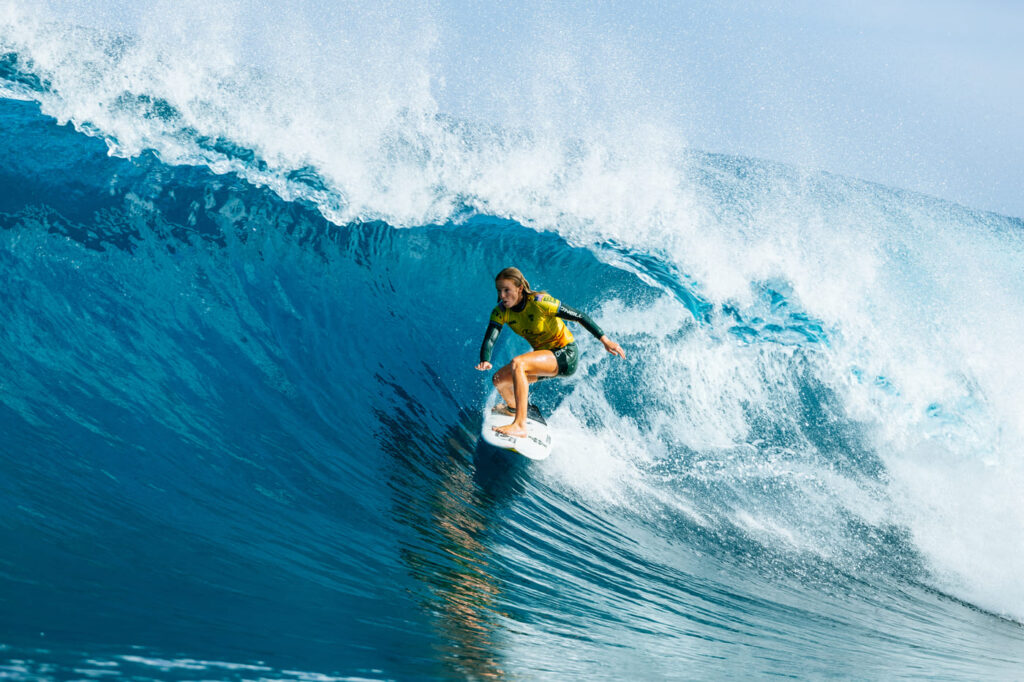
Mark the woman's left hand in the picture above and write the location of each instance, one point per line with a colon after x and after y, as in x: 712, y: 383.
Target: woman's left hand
x: 612, y: 347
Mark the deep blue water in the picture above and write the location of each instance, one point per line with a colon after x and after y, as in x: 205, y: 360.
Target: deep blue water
x: 238, y: 440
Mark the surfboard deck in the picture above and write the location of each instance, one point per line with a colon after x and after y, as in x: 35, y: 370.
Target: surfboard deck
x: 535, y: 445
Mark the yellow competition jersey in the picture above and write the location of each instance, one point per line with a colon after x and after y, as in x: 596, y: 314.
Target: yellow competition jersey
x: 536, y: 322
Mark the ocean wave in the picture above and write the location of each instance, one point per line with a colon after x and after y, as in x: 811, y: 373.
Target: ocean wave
x: 239, y: 388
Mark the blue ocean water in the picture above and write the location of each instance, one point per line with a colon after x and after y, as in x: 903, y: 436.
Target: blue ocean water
x: 239, y: 416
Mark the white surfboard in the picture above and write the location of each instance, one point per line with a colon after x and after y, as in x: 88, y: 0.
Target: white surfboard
x: 535, y: 445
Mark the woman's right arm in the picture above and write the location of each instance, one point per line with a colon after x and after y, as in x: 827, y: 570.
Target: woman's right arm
x: 493, y: 329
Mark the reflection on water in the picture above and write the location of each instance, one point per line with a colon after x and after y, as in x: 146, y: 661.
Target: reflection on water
x: 454, y: 503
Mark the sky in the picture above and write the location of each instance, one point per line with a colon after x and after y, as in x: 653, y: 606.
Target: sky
x: 926, y: 96
x: 921, y: 95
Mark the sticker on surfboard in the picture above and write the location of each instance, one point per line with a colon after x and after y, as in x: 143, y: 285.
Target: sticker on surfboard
x: 535, y: 445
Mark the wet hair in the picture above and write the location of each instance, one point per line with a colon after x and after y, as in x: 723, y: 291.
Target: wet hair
x: 516, y: 277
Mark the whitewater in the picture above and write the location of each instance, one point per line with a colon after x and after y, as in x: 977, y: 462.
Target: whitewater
x: 246, y: 277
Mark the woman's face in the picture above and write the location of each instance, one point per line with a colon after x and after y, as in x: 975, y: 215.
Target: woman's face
x: 509, y: 292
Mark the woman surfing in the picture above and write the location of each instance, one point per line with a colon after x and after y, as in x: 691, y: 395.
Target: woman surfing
x: 540, y: 319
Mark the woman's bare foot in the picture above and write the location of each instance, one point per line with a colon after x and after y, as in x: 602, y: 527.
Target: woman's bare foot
x: 511, y: 430
x: 504, y: 410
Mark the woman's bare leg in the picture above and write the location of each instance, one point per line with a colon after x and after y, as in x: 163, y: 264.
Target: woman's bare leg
x: 502, y: 381
x: 513, y: 383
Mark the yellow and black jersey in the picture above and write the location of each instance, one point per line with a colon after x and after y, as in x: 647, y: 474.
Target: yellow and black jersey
x: 539, y: 320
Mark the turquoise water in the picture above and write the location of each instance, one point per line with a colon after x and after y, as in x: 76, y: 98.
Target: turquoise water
x: 239, y: 415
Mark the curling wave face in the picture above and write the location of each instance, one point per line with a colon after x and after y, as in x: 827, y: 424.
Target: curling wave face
x: 236, y: 392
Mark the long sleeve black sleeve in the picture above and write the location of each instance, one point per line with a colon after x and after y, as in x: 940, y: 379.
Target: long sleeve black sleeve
x: 493, y: 329
x: 573, y: 315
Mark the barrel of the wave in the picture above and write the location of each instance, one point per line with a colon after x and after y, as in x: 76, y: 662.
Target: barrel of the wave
x: 540, y: 318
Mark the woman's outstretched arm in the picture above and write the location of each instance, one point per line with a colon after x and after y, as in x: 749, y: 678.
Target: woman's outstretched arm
x: 568, y: 313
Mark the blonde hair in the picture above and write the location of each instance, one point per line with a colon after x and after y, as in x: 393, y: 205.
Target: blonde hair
x: 516, y: 277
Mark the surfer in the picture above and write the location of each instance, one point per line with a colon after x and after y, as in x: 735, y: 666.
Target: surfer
x: 537, y: 317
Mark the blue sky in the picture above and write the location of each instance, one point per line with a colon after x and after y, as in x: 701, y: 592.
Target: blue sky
x: 927, y: 96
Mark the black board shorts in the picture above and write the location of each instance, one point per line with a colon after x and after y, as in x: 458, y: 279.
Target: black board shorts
x: 567, y: 357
